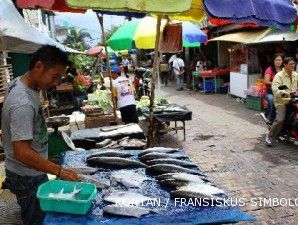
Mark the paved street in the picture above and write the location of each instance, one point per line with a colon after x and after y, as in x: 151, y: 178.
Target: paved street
x: 226, y: 141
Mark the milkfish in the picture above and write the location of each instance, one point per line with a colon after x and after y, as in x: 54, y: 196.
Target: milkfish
x: 127, y: 211
x: 65, y: 196
x: 197, y: 190
x: 114, y: 162
x: 202, y: 188
x: 103, y: 143
x: 168, y: 168
x: 160, y: 150
x: 157, y: 155
x: 170, y: 161
x: 182, y: 176
x: 83, y: 170
x: 129, y: 179
x: 172, y: 183
x: 113, y: 153
x: 98, y: 182
x: 126, y: 198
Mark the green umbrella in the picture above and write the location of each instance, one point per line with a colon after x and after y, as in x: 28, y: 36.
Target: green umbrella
x: 141, y: 34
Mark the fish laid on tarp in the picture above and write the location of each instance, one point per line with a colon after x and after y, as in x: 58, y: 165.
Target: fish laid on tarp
x: 191, y: 194
x: 157, y: 155
x: 129, y: 179
x: 110, y: 128
x: 114, y: 162
x: 159, y: 149
x: 125, y: 131
x: 132, y: 143
x: 84, y: 170
x: 170, y: 161
x: 189, y: 177
x: 172, y: 183
x: 103, y: 143
x: 203, y: 188
x: 112, y: 153
x: 168, y: 168
x: 99, y: 183
x: 112, y: 145
x: 128, y: 211
x: 126, y: 198
x: 65, y: 196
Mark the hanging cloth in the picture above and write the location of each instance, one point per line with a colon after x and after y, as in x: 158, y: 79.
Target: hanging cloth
x: 171, y: 41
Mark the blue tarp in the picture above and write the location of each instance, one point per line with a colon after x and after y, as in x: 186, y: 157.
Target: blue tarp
x: 170, y: 213
x: 278, y: 13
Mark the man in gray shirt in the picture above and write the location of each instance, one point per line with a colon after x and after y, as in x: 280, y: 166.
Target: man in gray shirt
x: 24, y: 132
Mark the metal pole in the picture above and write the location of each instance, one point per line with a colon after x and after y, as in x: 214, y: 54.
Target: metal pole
x: 153, y: 80
x: 100, y: 19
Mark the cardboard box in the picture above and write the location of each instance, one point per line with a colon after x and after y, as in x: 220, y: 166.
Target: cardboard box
x: 98, y: 121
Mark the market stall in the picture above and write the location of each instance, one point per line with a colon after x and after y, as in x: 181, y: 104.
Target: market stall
x: 164, y: 114
x: 109, y: 136
x: 245, y: 69
x: 205, y: 75
x: 138, y: 183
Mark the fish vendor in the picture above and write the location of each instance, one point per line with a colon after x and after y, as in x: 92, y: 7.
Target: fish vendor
x: 24, y: 132
x: 124, y: 96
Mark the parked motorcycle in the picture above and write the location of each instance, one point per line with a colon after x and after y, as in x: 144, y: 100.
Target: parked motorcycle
x: 290, y: 129
x: 142, y: 82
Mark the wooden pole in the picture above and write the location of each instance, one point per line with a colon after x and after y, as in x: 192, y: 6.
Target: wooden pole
x: 100, y: 19
x: 153, y: 80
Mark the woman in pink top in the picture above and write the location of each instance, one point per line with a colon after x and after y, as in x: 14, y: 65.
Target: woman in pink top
x: 268, y: 78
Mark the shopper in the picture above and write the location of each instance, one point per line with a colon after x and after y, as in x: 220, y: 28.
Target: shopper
x: 178, y: 67
x: 164, y: 71
x: 270, y: 73
x: 124, y: 96
x: 289, y: 78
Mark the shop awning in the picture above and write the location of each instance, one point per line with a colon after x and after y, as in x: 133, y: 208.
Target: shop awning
x: 255, y: 37
x: 278, y: 13
x: 279, y: 36
x: 18, y: 36
x: 243, y: 36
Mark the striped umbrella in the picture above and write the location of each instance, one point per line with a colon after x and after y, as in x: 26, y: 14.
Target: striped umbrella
x: 142, y: 33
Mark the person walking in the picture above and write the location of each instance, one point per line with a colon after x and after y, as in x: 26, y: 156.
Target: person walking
x: 164, y: 71
x: 178, y: 67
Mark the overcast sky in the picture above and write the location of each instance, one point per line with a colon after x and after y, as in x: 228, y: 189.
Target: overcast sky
x: 89, y: 22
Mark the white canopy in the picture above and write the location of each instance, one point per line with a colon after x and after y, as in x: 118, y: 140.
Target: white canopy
x: 255, y: 37
x: 18, y: 36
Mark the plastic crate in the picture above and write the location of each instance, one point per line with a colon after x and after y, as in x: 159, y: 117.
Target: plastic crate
x: 254, y: 103
x: 80, y: 205
x: 209, y: 86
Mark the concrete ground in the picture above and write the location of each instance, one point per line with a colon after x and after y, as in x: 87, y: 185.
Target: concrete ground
x: 226, y: 141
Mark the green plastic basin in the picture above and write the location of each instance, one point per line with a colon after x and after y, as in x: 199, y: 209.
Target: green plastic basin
x: 80, y: 205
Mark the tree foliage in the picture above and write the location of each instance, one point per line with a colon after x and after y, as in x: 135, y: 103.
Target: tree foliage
x: 76, y: 39
x: 109, y: 33
x: 81, y: 61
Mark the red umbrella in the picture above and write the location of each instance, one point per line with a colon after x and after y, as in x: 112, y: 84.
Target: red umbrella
x: 95, y: 51
x: 52, y: 5
x: 222, y: 22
